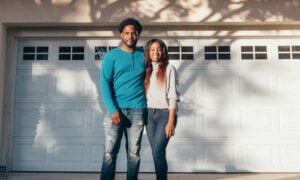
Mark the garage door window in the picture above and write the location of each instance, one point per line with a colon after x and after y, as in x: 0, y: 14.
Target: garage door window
x: 35, y: 53
x: 181, y: 52
x: 101, y: 50
x: 288, y: 52
x: 217, y: 52
x: 254, y: 52
x: 71, y: 53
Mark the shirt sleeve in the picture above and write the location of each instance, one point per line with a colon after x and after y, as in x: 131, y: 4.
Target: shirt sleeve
x: 106, y: 78
x: 172, y: 87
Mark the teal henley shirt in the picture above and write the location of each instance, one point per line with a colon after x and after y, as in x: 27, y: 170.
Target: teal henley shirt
x: 122, y: 80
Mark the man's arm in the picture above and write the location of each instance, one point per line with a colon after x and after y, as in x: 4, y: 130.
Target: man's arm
x: 106, y: 78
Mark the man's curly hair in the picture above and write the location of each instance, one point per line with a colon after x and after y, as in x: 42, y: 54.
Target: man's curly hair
x: 130, y: 21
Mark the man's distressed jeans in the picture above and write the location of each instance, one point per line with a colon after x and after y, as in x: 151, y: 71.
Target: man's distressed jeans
x: 132, y: 125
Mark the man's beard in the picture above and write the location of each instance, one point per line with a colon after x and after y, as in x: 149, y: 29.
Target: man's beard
x: 133, y: 45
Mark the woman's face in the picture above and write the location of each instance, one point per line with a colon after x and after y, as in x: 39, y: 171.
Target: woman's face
x: 155, y: 52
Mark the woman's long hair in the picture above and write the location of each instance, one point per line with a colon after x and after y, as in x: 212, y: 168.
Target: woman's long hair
x: 162, y: 63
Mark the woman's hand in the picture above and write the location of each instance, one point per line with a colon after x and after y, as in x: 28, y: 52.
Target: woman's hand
x: 170, y: 129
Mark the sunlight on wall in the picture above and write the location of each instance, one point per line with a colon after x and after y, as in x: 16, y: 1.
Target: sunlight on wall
x: 69, y: 85
x: 61, y: 2
x: 54, y: 2
x: 75, y: 84
x: 38, y: 2
x: 43, y: 136
x: 168, y: 11
x: 151, y: 7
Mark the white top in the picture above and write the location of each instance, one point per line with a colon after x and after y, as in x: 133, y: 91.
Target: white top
x: 167, y: 95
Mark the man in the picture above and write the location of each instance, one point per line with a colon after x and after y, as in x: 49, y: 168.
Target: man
x: 122, y: 88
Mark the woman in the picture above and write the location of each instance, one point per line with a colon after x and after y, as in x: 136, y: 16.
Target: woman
x: 161, y: 85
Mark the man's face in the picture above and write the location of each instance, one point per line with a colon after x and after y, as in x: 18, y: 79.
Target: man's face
x: 129, y: 36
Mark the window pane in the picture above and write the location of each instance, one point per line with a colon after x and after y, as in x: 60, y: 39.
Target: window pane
x: 284, y: 56
x: 187, y: 56
x: 174, y: 56
x: 247, y: 56
x: 77, y: 57
x: 64, y: 49
x: 224, y: 56
x: 28, y: 57
x: 260, y: 56
x: 224, y: 48
x: 98, y: 57
x: 210, y: 49
x: 42, y: 57
x: 173, y: 48
x: 42, y: 49
x: 100, y: 49
x: 247, y: 49
x: 210, y: 56
x: 29, y: 50
x: 187, y: 48
x: 78, y: 49
x: 296, y: 48
x: 284, y: 48
x: 260, y: 48
x: 99, y: 52
x: 296, y: 55
x: 64, y: 57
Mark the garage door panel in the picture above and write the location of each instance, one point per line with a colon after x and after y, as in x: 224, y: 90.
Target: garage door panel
x: 217, y: 86
x: 68, y: 118
x: 288, y: 86
x: 57, y: 119
x: 30, y: 118
x: 55, y: 85
x: 191, y: 89
x: 75, y: 153
x: 256, y: 120
x: 289, y: 119
x: 263, y: 86
x: 28, y: 153
x: 69, y: 85
x: 290, y: 154
x: 184, y: 157
x: 190, y: 123
x: 69, y: 153
x: 79, y: 84
x: 32, y: 86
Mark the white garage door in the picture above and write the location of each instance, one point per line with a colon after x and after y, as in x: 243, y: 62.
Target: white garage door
x: 240, y: 106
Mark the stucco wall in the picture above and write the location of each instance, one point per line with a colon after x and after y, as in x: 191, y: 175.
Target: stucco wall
x: 70, y: 11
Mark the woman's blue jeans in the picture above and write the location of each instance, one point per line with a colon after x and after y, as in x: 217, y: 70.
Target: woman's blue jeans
x: 132, y: 125
x: 156, y: 123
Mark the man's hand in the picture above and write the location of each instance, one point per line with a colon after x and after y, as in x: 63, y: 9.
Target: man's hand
x: 115, y: 118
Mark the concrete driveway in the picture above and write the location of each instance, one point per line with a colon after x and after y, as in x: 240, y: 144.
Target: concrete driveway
x: 151, y: 176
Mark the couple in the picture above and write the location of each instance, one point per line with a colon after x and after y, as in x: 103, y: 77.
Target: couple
x: 125, y: 84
